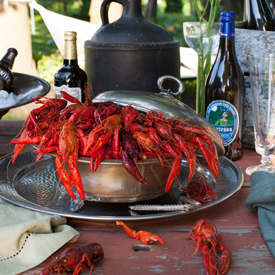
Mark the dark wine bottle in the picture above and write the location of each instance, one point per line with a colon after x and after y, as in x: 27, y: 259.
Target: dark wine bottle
x: 6, y: 63
x: 70, y: 77
x: 258, y: 15
x: 225, y: 89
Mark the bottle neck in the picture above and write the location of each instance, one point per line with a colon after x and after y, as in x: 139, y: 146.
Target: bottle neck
x: 132, y: 9
x: 70, y: 51
x: 8, y: 58
x: 227, y: 36
x: 70, y: 62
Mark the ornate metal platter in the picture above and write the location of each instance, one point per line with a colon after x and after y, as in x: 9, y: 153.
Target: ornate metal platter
x: 33, y: 185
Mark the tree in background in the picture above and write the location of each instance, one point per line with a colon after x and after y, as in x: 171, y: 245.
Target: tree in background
x: 151, y: 9
x: 62, y: 7
x: 173, y: 6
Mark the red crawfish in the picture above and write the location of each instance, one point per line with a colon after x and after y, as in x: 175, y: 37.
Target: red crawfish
x: 68, y: 152
x: 129, y: 114
x: 81, y: 114
x: 145, y: 236
x: 206, y: 238
x: 76, y: 259
x: 33, y: 133
x: 104, y: 110
x: 27, y: 137
x: 205, y: 145
x: 49, y: 110
x: 199, y: 191
x: 103, y: 133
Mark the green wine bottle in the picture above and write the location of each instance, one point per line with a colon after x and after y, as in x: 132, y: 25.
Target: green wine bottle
x: 258, y: 15
x: 225, y: 89
x: 70, y: 77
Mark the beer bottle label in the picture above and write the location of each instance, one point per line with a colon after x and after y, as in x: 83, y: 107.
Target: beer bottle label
x: 224, y: 116
x: 73, y: 91
x: 5, y: 79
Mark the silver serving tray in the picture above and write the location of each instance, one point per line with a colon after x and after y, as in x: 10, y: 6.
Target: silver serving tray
x: 33, y: 185
x: 26, y: 87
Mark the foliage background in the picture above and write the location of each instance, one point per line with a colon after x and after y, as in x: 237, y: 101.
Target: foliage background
x: 170, y: 14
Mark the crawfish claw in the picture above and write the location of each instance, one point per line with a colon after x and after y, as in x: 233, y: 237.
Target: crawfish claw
x: 144, y: 236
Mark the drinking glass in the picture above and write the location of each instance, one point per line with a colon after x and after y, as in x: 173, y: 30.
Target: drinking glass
x: 262, y: 78
x: 205, y: 40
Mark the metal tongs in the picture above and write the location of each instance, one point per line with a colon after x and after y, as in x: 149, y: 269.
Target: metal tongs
x: 185, y: 204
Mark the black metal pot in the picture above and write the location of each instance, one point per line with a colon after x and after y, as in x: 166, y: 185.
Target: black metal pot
x: 130, y: 53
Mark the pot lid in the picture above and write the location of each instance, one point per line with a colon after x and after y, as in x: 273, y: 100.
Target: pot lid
x: 163, y: 102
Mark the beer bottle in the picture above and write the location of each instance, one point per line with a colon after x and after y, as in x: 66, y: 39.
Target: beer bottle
x: 70, y: 77
x: 225, y: 89
x: 6, y: 63
x: 258, y: 15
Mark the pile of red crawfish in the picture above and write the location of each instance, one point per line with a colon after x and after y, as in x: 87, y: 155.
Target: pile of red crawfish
x: 109, y: 131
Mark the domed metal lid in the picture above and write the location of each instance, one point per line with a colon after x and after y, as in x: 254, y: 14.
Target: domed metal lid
x: 163, y: 102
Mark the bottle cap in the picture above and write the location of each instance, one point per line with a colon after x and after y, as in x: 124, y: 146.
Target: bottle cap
x: 69, y: 35
x: 227, y: 16
x: 13, y: 50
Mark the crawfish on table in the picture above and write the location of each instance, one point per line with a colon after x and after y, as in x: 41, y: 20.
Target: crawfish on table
x: 76, y: 259
x: 206, y: 238
x: 199, y: 191
x: 144, y: 236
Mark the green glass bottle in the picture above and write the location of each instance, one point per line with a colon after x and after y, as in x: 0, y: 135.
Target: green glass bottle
x: 6, y: 63
x: 258, y: 15
x: 70, y: 77
x: 225, y: 89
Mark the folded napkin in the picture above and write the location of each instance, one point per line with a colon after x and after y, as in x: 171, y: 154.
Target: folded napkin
x: 28, y: 237
x: 261, y: 198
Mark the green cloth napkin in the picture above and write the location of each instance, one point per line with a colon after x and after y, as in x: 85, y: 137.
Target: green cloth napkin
x: 27, y: 237
x: 261, y: 198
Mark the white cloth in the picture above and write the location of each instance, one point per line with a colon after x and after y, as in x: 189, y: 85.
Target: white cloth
x: 27, y: 237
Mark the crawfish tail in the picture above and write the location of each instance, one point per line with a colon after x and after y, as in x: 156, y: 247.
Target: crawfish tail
x: 129, y: 145
x: 132, y: 168
x: 75, y: 177
x: 189, y: 152
x: 98, y: 156
x: 209, y: 152
x: 64, y: 176
x: 175, y: 169
x: 18, y: 148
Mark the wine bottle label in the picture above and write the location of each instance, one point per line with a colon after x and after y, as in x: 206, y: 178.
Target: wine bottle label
x: 224, y: 116
x: 73, y: 91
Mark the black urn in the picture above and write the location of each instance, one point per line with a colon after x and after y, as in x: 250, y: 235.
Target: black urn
x: 130, y: 53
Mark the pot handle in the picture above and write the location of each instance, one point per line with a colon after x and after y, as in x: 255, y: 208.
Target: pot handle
x: 168, y: 91
x: 105, y: 8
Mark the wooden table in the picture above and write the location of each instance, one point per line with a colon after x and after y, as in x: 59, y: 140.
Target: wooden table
x: 239, y: 228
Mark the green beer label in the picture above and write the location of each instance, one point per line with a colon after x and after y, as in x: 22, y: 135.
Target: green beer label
x: 225, y: 118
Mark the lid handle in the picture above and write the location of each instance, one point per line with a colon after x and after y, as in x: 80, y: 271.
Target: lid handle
x: 105, y: 8
x: 168, y: 91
